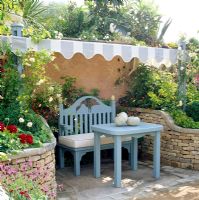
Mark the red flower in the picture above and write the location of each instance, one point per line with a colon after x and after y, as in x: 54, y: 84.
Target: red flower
x: 22, y: 138
x: 29, y: 139
x: 26, y: 138
x: 2, y: 126
x: 2, y: 70
x: 22, y: 192
x: 12, y: 128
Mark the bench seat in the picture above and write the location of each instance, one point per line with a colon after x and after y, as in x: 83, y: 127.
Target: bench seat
x: 85, y: 140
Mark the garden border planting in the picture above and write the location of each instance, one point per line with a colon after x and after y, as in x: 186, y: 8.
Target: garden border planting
x: 38, y: 160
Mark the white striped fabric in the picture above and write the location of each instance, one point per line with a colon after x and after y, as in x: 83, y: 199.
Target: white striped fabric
x: 149, y: 55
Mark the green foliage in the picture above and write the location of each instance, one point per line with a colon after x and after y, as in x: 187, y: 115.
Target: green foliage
x: 141, y: 20
x: 27, y: 12
x: 192, y: 93
x: 149, y: 87
x: 17, y: 94
x: 70, y: 22
x: 138, y: 95
x: 181, y: 119
x: 31, y: 9
x: 9, y: 142
x: 70, y: 92
x: 152, y: 88
x: 163, y: 95
x: 192, y: 110
x: 132, y: 22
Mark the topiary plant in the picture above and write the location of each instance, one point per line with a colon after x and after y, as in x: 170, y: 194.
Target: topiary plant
x: 192, y: 110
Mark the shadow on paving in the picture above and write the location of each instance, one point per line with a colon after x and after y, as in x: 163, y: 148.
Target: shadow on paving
x: 174, y: 183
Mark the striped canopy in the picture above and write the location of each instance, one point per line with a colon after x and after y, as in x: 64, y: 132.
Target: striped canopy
x: 149, y: 55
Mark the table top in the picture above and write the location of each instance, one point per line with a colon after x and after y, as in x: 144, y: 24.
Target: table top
x: 112, y: 129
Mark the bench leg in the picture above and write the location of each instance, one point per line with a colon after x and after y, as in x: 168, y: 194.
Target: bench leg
x: 77, y: 159
x: 61, y: 157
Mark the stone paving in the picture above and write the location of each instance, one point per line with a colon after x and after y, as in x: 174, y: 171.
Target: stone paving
x: 175, y: 183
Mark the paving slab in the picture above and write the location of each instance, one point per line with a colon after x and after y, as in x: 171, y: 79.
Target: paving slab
x: 136, y: 185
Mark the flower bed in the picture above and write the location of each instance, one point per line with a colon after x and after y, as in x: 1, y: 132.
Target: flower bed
x: 179, y: 146
x: 30, y: 168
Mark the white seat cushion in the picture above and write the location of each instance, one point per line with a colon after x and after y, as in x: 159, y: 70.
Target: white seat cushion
x: 85, y: 140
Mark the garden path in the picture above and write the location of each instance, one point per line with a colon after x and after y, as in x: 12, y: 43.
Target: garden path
x: 174, y: 184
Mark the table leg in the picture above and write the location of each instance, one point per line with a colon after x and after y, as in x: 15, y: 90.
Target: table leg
x: 117, y: 161
x: 156, y: 155
x: 97, y: 155
x: 134, y: 153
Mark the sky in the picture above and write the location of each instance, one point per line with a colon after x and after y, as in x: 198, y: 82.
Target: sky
x: 184, y: 15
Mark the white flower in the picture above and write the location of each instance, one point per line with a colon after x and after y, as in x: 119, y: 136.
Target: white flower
x: 112, y: 27
x: 23, y: 75
x: 29, y: 124
x: 50, y: 99
x: 181, y: 68
x: 32, y: 60
x: 51, y: 89
x: 60, y: 18
x: 40, y: 82
x: 28, y: 64
x: 21, y: 120
x: 58, y: 35
x: 58, y: 95
x: 1, y: 97
x: 192, y: 54
x: 180, y: 103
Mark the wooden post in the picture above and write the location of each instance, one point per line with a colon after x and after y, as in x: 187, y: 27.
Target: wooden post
x: 182, y: 76
x: 113, y: 108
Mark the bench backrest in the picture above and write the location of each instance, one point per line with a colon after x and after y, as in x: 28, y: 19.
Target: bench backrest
x: 86, y: 111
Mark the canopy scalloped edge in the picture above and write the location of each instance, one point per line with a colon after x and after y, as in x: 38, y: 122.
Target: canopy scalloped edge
x: 149, y: 55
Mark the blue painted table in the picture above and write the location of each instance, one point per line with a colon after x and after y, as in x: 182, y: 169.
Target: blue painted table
x: 135, y: 132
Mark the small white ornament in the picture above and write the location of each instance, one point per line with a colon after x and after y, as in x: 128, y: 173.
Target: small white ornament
x: 124, y: 115
x: 132, y: 121
x: 120, y: 121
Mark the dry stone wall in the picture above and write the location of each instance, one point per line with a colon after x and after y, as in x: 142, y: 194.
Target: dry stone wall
x: 179, y: 146
x: 40, y: 161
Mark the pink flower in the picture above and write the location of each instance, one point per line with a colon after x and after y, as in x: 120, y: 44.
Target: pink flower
x: 197, y: 79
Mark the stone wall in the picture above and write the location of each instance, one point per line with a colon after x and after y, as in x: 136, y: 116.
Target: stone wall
x: 37, y: 160
x: 179, y: 146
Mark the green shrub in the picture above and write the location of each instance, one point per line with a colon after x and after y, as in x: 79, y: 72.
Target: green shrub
x: 181, y: 119
x: 151, y: 88
x: 139, y: 87
x: 192, y: 110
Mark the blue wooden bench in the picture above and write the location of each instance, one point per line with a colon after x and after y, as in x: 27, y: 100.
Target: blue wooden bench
x: 75, y: 128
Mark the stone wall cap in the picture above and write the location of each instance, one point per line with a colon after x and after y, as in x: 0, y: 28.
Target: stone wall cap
x: 168, y: 120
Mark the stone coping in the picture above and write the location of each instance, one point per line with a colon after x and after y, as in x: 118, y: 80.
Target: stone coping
x: 34, y: 151
x: 167, y: 119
